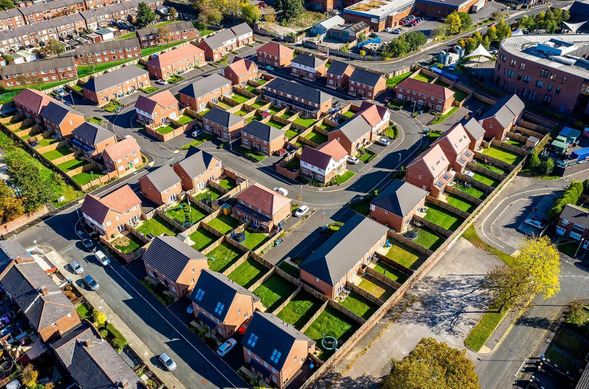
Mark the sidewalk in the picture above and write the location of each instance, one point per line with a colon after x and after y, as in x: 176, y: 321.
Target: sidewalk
x: 133, y: 340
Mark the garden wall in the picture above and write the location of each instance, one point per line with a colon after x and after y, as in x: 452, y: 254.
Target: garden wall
x: 128, y: 258
x: 22, y: 220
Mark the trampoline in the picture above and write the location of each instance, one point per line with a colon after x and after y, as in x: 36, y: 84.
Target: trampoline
x: 411, y: 235
x: 238, y: 237
x: 329, y: 341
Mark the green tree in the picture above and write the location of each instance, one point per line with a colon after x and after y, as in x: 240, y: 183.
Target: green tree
x: 6, y: 4
x: 54, y: 46
x: 439, y: 32
x: 492, y: 33
x: 209, y: 15
x: 534, y: 161
x: 289, y: 9
x: 250, y: 13
x: 270, y: 15
x: 11, y: 206
x: 145, y: 15
x: 25, y: 176
x: 453, y: 22
x: 576, y: 313
x: 433, y: 365
x: 503, y: 30
x: 547, y: 166
x: 99, y: 318
x: 465, y: 21
x: 173, y: 13
x: 486, y: 42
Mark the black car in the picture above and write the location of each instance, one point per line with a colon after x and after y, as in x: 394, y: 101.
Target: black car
x: 88, y: 244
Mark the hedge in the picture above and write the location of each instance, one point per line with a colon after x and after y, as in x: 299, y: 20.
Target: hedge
x: 119, y: 340
x: 570, y: 196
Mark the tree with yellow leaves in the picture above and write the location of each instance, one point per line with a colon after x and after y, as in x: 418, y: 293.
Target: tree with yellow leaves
x: 454, y: 23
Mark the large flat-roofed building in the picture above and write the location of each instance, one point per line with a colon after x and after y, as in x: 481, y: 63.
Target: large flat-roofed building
x: 443, y: 8
x: 546, y: 70
x: 379, y: 14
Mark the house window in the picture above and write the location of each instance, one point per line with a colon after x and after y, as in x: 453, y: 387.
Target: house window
x: 199, y: 295
x: 219, y: 308
x: 252, y: 339
x: 275, y: 357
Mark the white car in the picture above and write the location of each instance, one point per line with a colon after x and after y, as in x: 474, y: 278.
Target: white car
x: 383, y: 141
x: 167, y: 362
x: 102, y: 258
x: 535, y: 223
x: 197, y: 133
x: 161, y: 82
x: 226, y: 347
x: 282, y: 191
x: 76, y: 267
x: 353, y: 160
x: 302, y: 211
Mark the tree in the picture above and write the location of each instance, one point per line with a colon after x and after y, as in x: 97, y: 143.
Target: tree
x: 54, y: 46
x: 270, y: 15
x: 289, y: 9
x: 165, y: 34
x: 145, y: 15
x: 29, y: 376
x: 432, y: 365
x: 99, y: 318
x: 209, y: 15
x: 30, y: 79
x: 11, y: 206
x: 576, y: 313
x: 6, y: 4
x: 250, y: 13
x: 492, y: 33
x: 439, y: 32
x: 486, y: 42
x: 465, y: 21
x: 453, y: 22
x: 534, y: 161
x: 362, y: 53
x: 173, y: 13
x: 25, y: 176
x: 546, y: 167
x: 503, y: 30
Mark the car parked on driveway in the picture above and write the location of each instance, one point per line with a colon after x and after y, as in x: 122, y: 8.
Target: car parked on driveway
x: 539, y: 224
x: 226, y: 347
x: 353, y: 160
x: 301, y: 211
x: 91, y: 283
x: 167, y: 362
x: 161, y: 82
x: 383, y: 141
x: 76, y: 267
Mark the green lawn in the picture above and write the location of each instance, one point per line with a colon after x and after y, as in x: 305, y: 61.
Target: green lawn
x: 405, y: 256
x: 393, y: 81
x: 185, y: 119
x: 156, y: 226
x: 445, y: 116
x: 127, y: 243
x: 289, y: 134
x: 471, y: 235
x: 222, y: 256
x: 423, y: 77
x: 125, y: 36
x: 289, y: 269
x: 87, y: 176
x: 274, y: 291
x: 84, y: 311
x: 484, y: 328
x: 275, y: 124
x: 492, y: 168
x: 474, y: 192
x: 349, y: 114
x: 390, y: 272
x: 305, y: 122
x: 202, y: 29
x: 287, y: 115
x: 174, y: 79
x: 515, y: 143
x: 486, y: 179
x: 459, y: 95
x: 359, y: 305
x: 334, y: 323
x: 344, y: 177
x: 240, y: 98
x: 149, y: 89
x: 569, y: 248
x: 164, y: 130
x: 228, y: 183
x: 259, y: 104
x: 503, y: 155
x: 366, y: 155
x: 460, y: 203
x: 209, y: 193
x: 202, y: 239
x: 183, y: 213
x: 248, y: 273
x: 224, y: 223
x: 428, y: 239
x: 71, y: 164
x: 316, y: 137
x: 325, y: 126
x: 46, y: 142
x: 197, y: 142
x: 254, y: 239
x: 300, y: 309
x: 57, y: 153
x: 377, y: 288
x: 86, y: 70
x: 563, y: 363
x: 155, y: 49
x: 442, y: 218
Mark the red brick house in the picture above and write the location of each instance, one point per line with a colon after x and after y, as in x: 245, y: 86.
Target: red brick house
x: 307, y: 101
x: 424, y: 94
x: 573, y: 223
x: 263, y: 138
x: 241, y: 71
x: 265, y: 208
x: 108, y: 51
x: 197, y: 169
x: 173, y: 32
x: 92, y: 139
x: 337, y: 261
x: 243, y: 34
x: 396, y: 204
x: 31, y: 102
x: 366, y: 84
x: 109, y: 214
x: 156, y: 109
x: 44, y: 71
x: 224, y: 124
x: 475, y: 132
x: 162, y: 186
x: 308, y: 67
x: 122, y: 157
x: 275, y: 350
x: 205, y: 90
x: 338, y: 75
x: 363, y: 129
x: 502, y: 116
x: 174, y: 263
x: 430, y: 171
x: 177, y: 61
x: 325, y: 162
x: 116, y: 84
x: 455, y: 144
x: 224, y: 41
x: 37, y: 296
x: 61, y: 118
x: 222, y: 305
x: 274, y: 54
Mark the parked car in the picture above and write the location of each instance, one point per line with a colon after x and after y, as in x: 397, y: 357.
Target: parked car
x: 383, y: 141
x: 353, y: 160
x: 91, y: 283
x: 401, y: 23
x: 88, y: 244
x: 161, y: 82
x: 197, y: 133
x: 282, y: 191
x: 167, y: 362
x: 280, y: 152
x: 396, y: 31
x: 102, y: 258
x: 539, y: 224
x: 302, y: 211
x: 76, y: 267
x: 226, y: 347
x: 269, y: 67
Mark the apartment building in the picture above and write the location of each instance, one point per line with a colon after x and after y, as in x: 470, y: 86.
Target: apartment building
x: 307, y: 101
x: 39, y: 72
x: 108, y: 51
x: 116, y: 84
x: 175, y: 62
x: 274, y: 54
x: 208, y: 89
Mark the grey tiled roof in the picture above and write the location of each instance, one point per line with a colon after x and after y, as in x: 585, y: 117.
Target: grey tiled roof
x: 474, y: 129
x: 241, y: 29
x: 365, y: 77
x: 204, y: 85
x: 56, y: 112
x: 118, y: 76
x: 10, y: 250
x: 169, y: 255
x: 505, y: 110
x: 216, y: 40
x: 92, y: 362
x: 334, y: 258
x: 34, y: 28
x: 92, y: 133
x: 308, y: 60
x: 196, y: 162
x: 301, y: 91
x: 262, y: 131
x: 338, y: 68
x: 218, y: 288
x: 46, y: 64
x: 273, y: 334
x: 576, y: 214
x: 115, y: 44
x: 223, y: 118
x: 399, y: 197
x: 173, y: 27
x: 355, y: 128
x: 163, y: 178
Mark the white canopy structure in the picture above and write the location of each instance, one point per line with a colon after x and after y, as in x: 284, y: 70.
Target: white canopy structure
x: 574, y: 26
x: 517, y: 32
x: 479, y: 52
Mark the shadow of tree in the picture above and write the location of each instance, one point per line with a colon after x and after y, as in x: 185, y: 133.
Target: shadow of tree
x: 332, y: 380
x: 534, y: 322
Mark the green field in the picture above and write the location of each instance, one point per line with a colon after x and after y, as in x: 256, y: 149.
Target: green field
x: 359, y: 305
x: 156, y: 226
x: 202, y: 238
x: 442, y: 218
x: 248, y: 273
x: 274, y: 291
x: 224, y: 223
x: 300, y: 309
x: 222, y: 256
x: 405, y: 256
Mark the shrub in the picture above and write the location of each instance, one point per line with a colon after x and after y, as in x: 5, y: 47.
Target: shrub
x: 119, y: 340
x: 104, y: 334
x: 570, y: 196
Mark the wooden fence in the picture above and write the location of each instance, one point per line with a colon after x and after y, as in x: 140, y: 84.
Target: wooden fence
x: 494, y: 161
x: 488, y: 172
x: 508, y: 147
x: 477, y: 184
x: 432, y: 226
x: 463, y: 195
x: 408, y: 242
x: 450, y: 208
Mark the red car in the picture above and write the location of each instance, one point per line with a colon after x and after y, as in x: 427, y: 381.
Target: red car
x: 280, y: 152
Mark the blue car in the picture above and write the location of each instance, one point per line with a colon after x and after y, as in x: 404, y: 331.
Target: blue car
x: 91, y: 283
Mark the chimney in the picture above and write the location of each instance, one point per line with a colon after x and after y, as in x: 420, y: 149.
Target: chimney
x: 89, y: 343
x: 44, y: 291
x: 124, y: 384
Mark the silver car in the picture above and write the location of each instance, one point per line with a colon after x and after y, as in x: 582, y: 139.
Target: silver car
x: 76, y: 267
x: 167, y: 362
